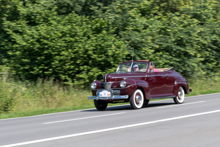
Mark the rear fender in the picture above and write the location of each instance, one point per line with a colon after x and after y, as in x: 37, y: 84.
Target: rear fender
x: 181, y: 83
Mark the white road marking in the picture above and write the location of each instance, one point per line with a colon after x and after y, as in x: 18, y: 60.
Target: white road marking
x: 180, y: 105
x: 82, y: 118
x: 110, y: 129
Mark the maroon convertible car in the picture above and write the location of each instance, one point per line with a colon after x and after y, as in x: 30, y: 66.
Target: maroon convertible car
x: 138, y: 82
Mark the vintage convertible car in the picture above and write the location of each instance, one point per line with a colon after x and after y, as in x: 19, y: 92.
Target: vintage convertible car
x: 137, y: 82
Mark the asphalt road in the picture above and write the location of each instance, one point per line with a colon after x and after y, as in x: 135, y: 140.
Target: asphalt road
x: 161, y: 123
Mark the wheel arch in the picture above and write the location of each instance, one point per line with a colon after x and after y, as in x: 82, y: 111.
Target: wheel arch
x: 177, y: 88
x: 142, y: 89
x: 181, y: 83
x: 184, y: 88
x: 143, y: 86
x: 145, y: 93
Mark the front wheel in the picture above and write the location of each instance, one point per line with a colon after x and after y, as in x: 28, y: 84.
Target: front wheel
x: 137, y: 99
x: 146, y: 102
x: 100, y: 105
x: 181, y: 96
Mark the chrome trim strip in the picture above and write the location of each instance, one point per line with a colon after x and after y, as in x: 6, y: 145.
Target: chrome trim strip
x: 180, y: 82
x: 114, y: 97
x: 156, y: 75
x: 120, y: 97
x: 130, y: 85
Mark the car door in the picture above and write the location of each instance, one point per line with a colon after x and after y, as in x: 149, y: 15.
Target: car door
x: 170, y: 79
x: 157, y: 83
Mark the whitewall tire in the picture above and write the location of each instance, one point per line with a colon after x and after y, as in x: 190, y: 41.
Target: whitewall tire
x: 137, y: 99
x: 181, y: 96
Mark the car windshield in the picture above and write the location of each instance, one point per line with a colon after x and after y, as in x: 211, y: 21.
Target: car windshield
x: 132, y: 67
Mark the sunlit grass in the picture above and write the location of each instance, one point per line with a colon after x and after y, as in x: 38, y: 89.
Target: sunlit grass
x: 204, y: 86
x: 19, y: 99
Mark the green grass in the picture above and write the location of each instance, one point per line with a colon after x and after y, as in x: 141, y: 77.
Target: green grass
x: 43, y: 111
x: 204, y: 86
x: 18, y: 99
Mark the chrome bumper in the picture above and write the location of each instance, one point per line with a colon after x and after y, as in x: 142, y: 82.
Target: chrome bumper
x: 114, y: 97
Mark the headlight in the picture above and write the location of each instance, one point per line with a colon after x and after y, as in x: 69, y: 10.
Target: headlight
x: 122, y: 84
x: 93, y: 85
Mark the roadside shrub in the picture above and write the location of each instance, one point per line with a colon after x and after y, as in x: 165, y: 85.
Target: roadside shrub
x: 16, y: 96
x: 78, y: 41
x: 8, y: 95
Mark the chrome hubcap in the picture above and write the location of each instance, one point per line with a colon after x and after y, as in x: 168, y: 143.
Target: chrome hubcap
x: 179, y: 94
x: 138, y: 99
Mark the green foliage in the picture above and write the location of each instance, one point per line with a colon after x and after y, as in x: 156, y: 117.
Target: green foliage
x: 69, y: 48
x: 7, y: 96
x: 77, y: 41
x: 181, y: 39
x: 44, y: 94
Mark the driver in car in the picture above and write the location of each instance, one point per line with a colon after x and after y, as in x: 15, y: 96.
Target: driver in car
x: 136, y: 68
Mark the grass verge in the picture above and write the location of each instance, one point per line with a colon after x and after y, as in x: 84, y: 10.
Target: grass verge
x: 18, y: 99
x: 204, y: 86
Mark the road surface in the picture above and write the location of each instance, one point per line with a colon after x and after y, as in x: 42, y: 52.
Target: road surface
x: 161, y: 123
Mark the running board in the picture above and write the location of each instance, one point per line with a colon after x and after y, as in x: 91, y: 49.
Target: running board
x: 163, y: 97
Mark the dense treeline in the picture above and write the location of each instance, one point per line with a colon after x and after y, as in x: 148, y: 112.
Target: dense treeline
x: 81, y: 40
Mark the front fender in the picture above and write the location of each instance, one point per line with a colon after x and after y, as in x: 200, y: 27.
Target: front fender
x: 141, y: 84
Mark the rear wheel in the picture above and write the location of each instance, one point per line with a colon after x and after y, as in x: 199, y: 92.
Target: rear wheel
x: 181, y: 96
x: 137, y: 99
x: 100, y: 105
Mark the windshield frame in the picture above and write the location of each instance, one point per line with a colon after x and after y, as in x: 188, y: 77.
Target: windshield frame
x: 132, y: 63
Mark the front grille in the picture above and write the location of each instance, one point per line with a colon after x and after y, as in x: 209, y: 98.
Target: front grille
x: 108, y: 85
x: 116, y: 92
